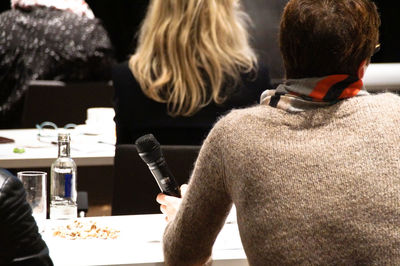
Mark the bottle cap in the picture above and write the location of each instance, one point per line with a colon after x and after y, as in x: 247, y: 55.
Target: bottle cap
x: 64, y: 137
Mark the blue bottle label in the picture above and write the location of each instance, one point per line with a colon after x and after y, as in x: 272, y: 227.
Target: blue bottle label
x: 67, y: 185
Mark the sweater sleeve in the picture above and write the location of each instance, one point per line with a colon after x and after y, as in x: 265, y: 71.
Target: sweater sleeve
x: 189, y: 238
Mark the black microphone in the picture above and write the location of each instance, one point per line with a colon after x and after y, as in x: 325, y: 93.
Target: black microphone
x: 150, y: 151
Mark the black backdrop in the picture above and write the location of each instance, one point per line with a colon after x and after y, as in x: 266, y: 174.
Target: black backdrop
x: 121, y: 18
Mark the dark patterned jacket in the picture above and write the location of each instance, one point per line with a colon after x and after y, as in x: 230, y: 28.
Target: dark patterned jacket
x: 48, y: 44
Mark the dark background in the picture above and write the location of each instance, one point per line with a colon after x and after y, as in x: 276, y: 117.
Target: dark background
x: 121, y: 18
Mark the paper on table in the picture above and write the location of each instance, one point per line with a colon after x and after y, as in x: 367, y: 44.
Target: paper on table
x: 8, y: 149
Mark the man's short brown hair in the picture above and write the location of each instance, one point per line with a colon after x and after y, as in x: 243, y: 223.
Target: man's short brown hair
x: 325, y: 37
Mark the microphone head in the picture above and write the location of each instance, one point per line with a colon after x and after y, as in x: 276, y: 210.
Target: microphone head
x: 146, y: 143
x: 148, y: 148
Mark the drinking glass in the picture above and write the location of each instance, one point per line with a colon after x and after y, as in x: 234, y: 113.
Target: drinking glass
x: 35, y: 187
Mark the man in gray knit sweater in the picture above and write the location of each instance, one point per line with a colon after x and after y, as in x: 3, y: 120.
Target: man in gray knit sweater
x: 314, y: 170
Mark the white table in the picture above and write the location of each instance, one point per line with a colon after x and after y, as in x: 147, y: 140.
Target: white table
x: 382, y: 76
x: 86, y: 150
x: 139, y: 243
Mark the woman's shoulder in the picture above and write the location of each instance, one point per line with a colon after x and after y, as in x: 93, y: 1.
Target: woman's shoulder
x: 123, y: 78
x: 258, y: 77
x: 122, y: 70
x: 248, y: 90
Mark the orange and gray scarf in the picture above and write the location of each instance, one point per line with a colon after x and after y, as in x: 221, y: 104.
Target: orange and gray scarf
x: 298, y: 95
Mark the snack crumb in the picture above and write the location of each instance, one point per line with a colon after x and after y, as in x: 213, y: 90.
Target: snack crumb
x: 85, y: 230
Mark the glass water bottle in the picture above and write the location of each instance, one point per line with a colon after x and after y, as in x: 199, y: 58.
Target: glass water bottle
x: 63, y: 193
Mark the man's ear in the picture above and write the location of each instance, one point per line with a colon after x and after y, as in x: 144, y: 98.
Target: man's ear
x: 361, y: 69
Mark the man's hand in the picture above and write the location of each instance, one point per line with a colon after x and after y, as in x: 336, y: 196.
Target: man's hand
x: 169, y: 204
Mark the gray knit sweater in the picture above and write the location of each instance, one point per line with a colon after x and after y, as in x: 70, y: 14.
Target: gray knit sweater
x: 320, y: 187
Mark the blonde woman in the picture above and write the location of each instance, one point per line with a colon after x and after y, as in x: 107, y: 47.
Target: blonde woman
x: 192, y: 64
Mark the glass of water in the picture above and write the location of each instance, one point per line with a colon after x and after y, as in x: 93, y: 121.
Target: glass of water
x: 35, y: 187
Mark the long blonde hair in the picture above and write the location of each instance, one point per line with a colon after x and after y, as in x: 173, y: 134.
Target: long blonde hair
x: 188, y: 49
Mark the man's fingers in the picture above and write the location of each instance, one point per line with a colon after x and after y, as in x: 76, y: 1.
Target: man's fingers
x: 161, y: 198
x: 163, y: 209
x: 183, y: 189
x: 169, y: 205
x: 167, y: 200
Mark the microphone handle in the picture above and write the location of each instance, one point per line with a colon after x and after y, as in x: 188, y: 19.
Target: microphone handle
x: 165, y: 180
